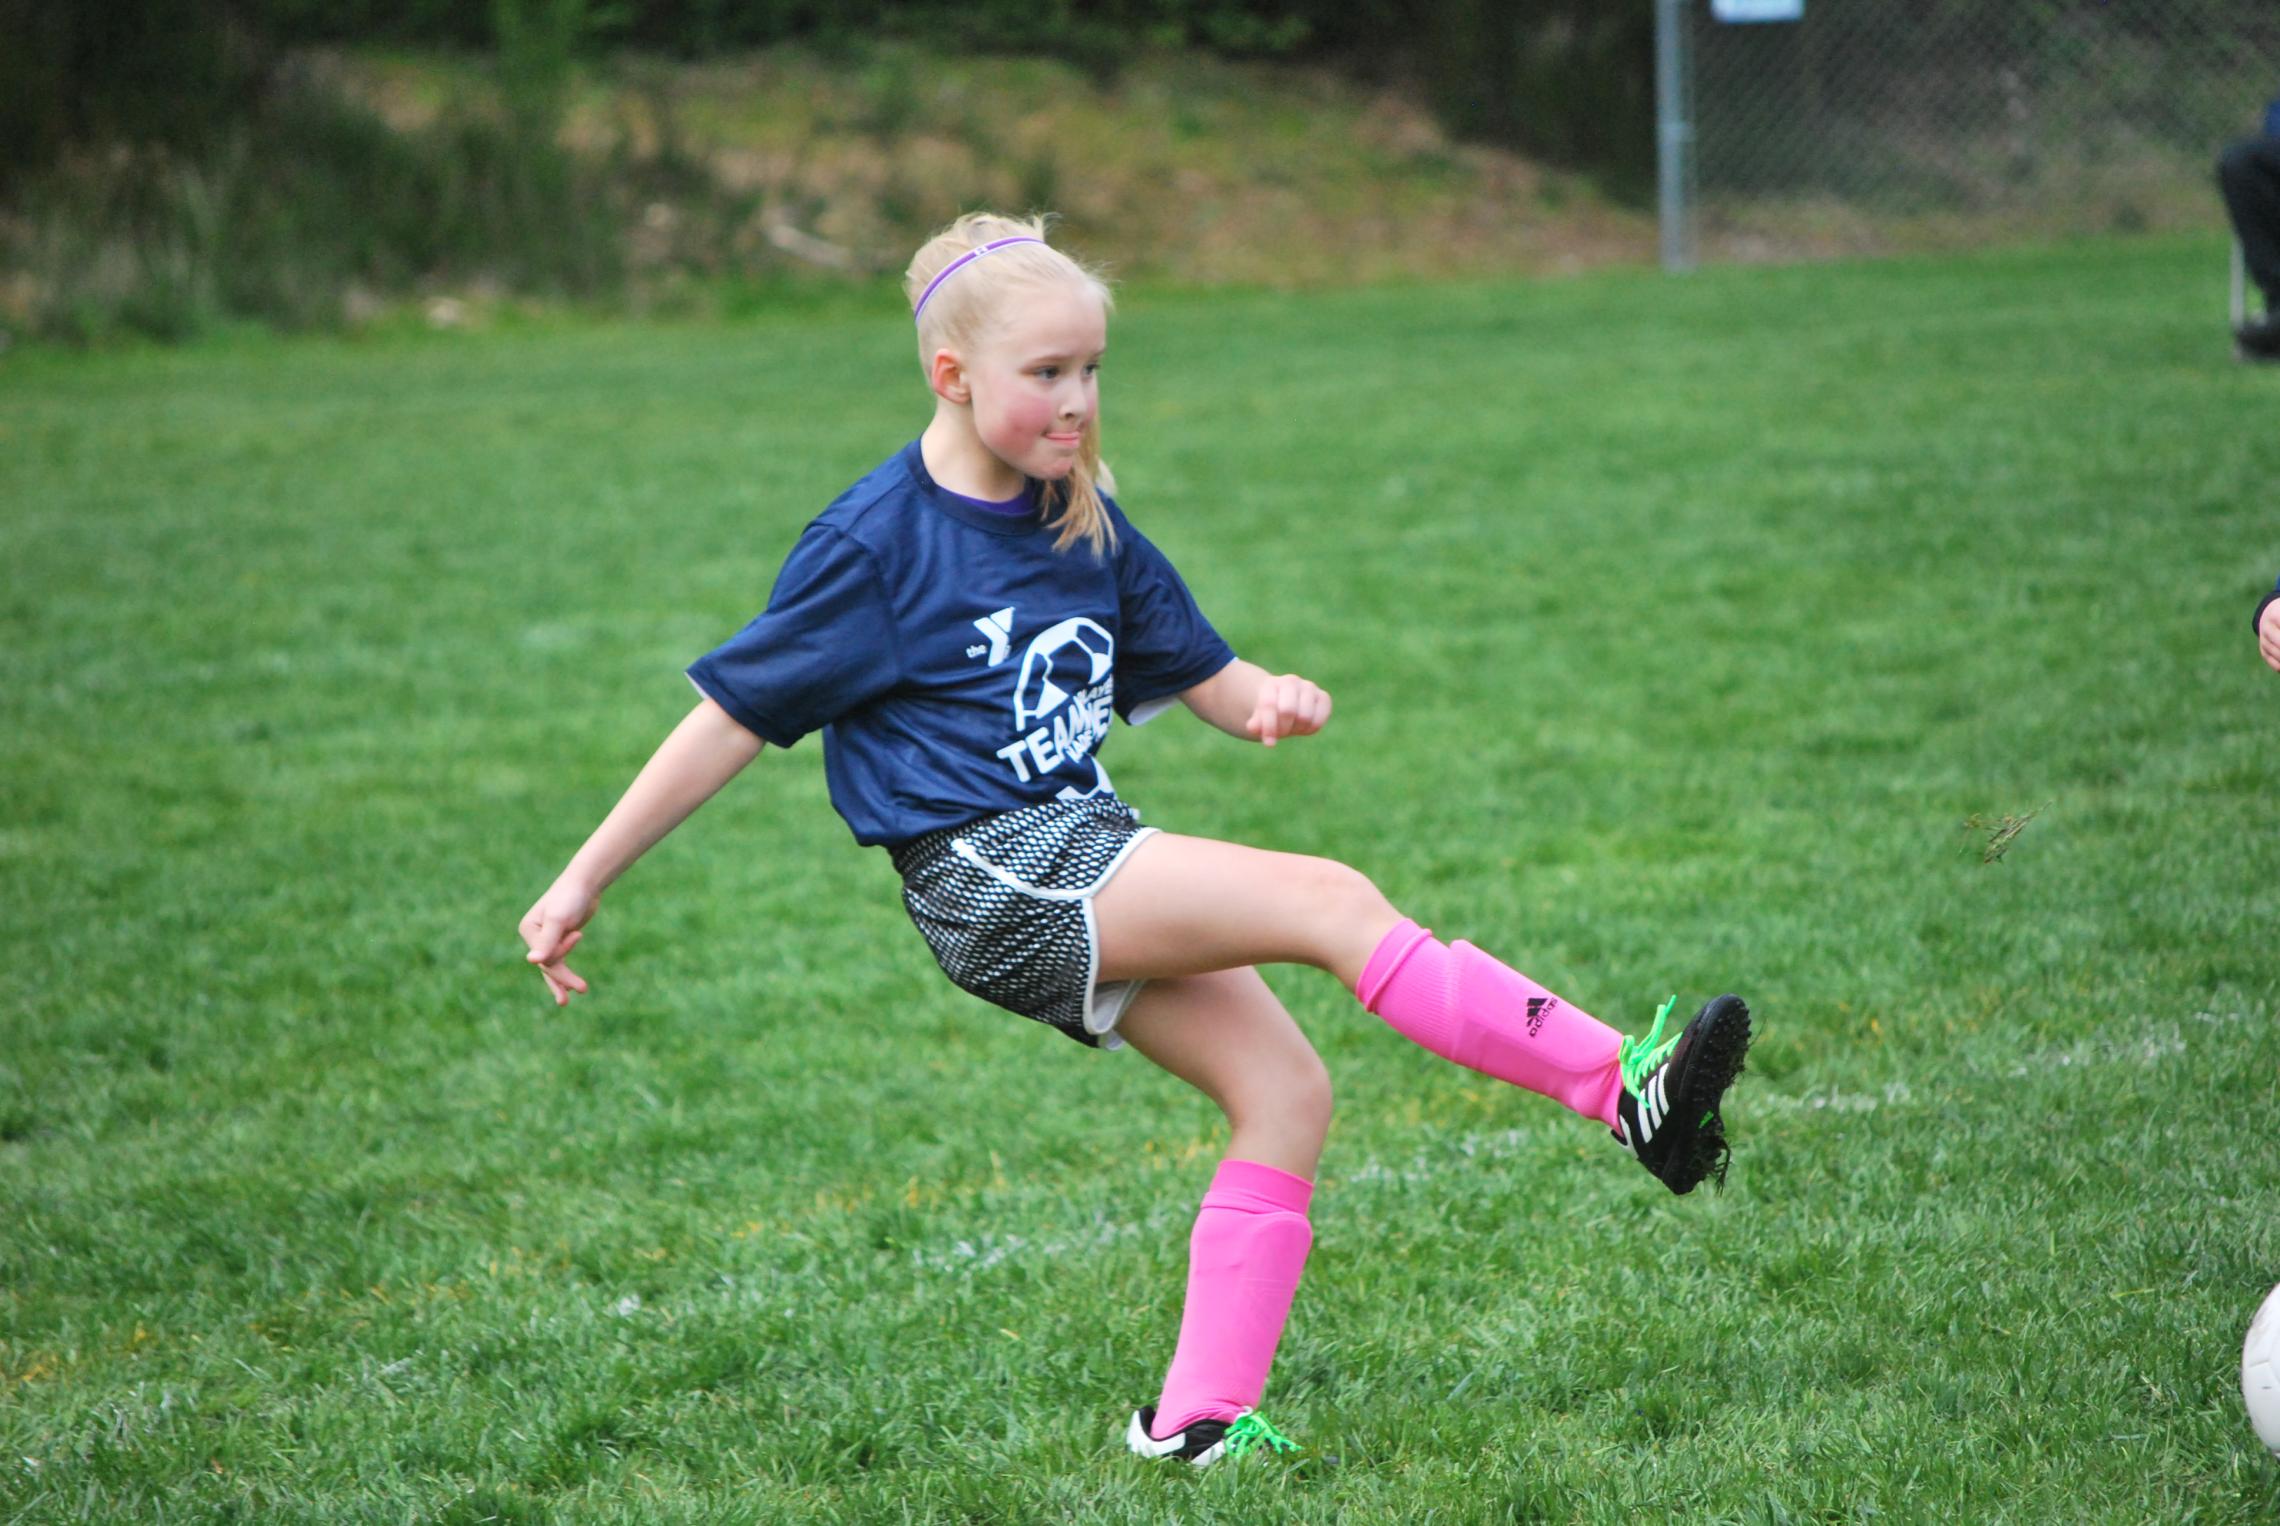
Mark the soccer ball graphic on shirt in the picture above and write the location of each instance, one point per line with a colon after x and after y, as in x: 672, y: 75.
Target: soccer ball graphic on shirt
x: 2260, y: 1372
x: 1064, y: 659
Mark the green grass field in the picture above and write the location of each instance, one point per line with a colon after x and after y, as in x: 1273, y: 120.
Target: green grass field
x: 1677, y: 629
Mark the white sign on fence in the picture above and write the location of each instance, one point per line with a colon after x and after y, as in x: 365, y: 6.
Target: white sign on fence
x: 1758, y: 10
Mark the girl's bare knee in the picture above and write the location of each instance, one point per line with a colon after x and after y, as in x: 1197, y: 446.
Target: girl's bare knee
x: 1350, y: 908
x: 1291, y: 1097
x: 1310, y: 1100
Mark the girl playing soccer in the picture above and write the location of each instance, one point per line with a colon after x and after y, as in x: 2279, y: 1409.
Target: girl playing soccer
x: 960, y: 625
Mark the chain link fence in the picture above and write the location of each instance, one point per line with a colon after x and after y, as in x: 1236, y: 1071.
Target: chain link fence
x: 1872, y: 126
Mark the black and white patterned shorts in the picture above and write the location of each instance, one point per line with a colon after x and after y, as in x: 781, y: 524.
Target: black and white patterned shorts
x: 1006, y: 905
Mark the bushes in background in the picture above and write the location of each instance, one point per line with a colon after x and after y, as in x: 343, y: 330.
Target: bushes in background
x: 167, y: 162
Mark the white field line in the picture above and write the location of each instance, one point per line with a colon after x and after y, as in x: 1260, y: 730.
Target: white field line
x: 1832, y: 1100
x: 987, y: 1252
x: 2142, y: 1049
x: 2139, y: 1044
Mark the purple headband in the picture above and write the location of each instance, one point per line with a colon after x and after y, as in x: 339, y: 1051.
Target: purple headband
x: 960, y: 263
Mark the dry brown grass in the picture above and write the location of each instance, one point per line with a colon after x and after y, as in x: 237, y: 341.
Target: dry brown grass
x: 1184, y: 169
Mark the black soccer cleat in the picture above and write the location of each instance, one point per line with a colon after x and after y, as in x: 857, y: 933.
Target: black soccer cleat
x: 2258, y: 339
x: 1205, y: 1442
x: 1668, y: 1114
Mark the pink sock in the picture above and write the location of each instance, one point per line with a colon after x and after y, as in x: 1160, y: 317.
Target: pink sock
x: 1249, y: 1245
x: 1464, y: 1006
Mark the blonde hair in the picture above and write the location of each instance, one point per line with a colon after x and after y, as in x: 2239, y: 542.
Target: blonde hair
x: 960, y: 310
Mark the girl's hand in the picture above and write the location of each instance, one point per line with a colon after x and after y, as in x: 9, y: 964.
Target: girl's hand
x: 1288, y: 706
x: 2268, y: 636
x: 551, y: 930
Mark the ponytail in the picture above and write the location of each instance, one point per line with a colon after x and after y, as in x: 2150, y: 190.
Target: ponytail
x: 1075, y: 504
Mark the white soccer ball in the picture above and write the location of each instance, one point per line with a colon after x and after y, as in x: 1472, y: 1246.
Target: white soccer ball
x: 2260, y: 1371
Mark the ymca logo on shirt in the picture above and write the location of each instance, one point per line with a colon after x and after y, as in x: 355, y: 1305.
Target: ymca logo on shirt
x: 999, y: 628
x: 1062, y: 699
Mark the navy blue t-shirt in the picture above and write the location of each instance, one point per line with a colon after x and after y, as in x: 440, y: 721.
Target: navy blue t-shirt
x: 956, y: 664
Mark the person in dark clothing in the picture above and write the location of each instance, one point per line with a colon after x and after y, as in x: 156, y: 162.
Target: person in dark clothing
x: 2268, y: 629
x: 2248, y: 173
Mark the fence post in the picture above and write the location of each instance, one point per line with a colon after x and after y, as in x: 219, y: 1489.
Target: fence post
x: 1674, y: 137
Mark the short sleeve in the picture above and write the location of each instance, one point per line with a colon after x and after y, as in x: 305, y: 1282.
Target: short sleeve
x: 1165, y: 645
x: 823, y: 647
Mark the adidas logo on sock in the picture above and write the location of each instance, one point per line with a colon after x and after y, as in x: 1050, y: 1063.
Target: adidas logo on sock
x: 1538, y: 1008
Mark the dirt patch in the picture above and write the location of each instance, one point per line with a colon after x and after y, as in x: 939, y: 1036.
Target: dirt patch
x: 1186, y: 168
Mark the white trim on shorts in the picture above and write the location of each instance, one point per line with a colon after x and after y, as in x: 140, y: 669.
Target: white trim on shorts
x: 1105, y: 1005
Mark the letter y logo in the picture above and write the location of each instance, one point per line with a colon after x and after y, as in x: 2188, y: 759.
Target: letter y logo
x: 999, y: 629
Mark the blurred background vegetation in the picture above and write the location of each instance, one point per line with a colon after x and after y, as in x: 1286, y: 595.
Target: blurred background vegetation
x: 169, y: 164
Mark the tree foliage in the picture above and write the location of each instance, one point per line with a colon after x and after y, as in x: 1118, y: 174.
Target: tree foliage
x: 1566, y: 79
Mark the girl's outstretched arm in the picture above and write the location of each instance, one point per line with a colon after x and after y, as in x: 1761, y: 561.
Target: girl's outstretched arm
x: 704, y: 752
x: 1245, y: 700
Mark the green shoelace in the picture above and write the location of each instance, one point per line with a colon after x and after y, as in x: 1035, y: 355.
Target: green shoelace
x: 1251, y: 1431
x: 1637, y: 1058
